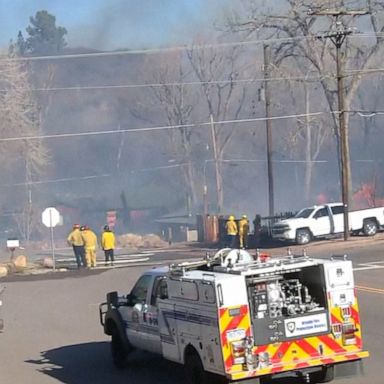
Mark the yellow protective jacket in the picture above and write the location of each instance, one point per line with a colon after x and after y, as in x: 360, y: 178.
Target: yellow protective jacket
x: 90, y: 239
x: 243, y: 226
x: 231, y: 227
x: 108, y: 240
x: 75, y: 238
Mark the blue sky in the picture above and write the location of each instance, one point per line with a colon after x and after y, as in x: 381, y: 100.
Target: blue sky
x: 112, y: 24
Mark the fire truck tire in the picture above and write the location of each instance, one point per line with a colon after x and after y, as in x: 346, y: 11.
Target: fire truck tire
x: 370, y: 227
x: 303, y: 236
x: 194, y: 369
x: 326, y: 375
x: 119, y: 355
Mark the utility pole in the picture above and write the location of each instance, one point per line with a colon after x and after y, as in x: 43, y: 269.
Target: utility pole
x: 338, y: 37
x: 267, y: 95
x: 217, y: 171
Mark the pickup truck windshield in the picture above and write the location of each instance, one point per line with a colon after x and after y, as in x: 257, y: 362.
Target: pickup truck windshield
x: 304, y: 213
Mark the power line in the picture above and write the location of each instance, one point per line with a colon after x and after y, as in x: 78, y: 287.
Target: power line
x: 191, y: 83
x: 62, y: 180
x: 152, y: 50
x: 185, y: 126
x: 174, y: 84
x: 368, y: 70
x: 177, y: 48
x: 158, y: 128
x: 179, y: 165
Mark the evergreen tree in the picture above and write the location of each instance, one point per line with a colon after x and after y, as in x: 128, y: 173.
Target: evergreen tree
x: 45, y: 38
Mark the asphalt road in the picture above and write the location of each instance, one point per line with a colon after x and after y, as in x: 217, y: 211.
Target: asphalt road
x: 52, y: 332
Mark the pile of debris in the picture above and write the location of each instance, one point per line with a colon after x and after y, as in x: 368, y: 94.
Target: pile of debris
x: 130, y: 240
x: 16, y: 264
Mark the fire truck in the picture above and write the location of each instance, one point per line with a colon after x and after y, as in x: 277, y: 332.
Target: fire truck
x: 242, y: 317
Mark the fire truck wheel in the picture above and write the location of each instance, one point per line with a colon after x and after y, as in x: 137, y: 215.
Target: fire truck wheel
x: 303, y: 236
x: 119, y: 355
x: 326, y: 375
x: 194, y: 369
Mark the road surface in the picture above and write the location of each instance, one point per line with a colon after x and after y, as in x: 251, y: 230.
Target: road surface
x: 52, y: 331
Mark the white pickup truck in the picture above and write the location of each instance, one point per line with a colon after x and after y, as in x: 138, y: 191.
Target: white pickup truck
x: 325, y: 220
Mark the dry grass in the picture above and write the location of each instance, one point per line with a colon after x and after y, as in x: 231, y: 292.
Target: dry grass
x: 130, y: 240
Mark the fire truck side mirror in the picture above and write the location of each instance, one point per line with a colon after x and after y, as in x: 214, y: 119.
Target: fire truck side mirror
x: 163, y: 292
x: 129, y: 300
x: 113, y: 298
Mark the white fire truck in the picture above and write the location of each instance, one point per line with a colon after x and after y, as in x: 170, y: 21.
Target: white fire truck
x: 243, y: 318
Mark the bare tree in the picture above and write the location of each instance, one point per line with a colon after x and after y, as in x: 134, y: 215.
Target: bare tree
x: 298, y: 29
x: 178, y: 102
x: 20, y: 118
x: 224, y: 98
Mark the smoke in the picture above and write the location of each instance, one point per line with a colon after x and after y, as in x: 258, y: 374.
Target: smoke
x: 147, y: 24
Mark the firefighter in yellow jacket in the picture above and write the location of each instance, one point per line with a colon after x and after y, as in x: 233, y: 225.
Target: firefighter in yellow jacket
x: 108, y: 245
x: 243, y: 231
x: 231, y: 229
x: 76, y: 241
x: 90, y: 244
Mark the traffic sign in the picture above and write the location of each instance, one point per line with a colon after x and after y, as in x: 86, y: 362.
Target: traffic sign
x: 50, y: 217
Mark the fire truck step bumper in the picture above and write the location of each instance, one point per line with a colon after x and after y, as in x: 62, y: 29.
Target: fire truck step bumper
x: 346, y: 359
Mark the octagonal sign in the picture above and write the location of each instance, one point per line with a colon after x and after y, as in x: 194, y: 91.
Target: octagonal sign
x: 50, y: 217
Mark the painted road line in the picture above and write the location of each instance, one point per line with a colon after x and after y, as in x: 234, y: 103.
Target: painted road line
x: 101, y: 264
x: 126, y: 261
x: 122, y: 257
x: 367, y: 266
x: 370, y: 289
x: 146, y: 254
x: 373, y: 263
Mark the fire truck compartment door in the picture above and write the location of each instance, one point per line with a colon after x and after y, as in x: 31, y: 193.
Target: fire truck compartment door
x: 280, y: 329
x: 339, y: 275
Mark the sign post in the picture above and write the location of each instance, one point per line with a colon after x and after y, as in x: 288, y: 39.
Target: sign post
x: 12, y: 244
x: 50, y: 218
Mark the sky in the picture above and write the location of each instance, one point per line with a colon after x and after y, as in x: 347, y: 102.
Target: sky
x: 114, y: 24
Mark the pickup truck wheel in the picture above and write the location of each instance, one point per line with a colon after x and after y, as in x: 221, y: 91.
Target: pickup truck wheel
x: 303, y: 236
x: 194, y: 369
x: 119, y: 354
x: 370, y: 228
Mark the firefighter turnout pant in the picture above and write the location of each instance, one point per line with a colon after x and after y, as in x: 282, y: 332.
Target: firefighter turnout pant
x: 90, y: 255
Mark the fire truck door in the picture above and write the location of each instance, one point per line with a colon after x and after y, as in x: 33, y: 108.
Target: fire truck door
x: 137, y: 305
x: 151, y: 316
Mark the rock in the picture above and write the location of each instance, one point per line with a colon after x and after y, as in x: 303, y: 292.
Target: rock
x: 48, y: 262
x: 3, y: 271
x: 20, y: 262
